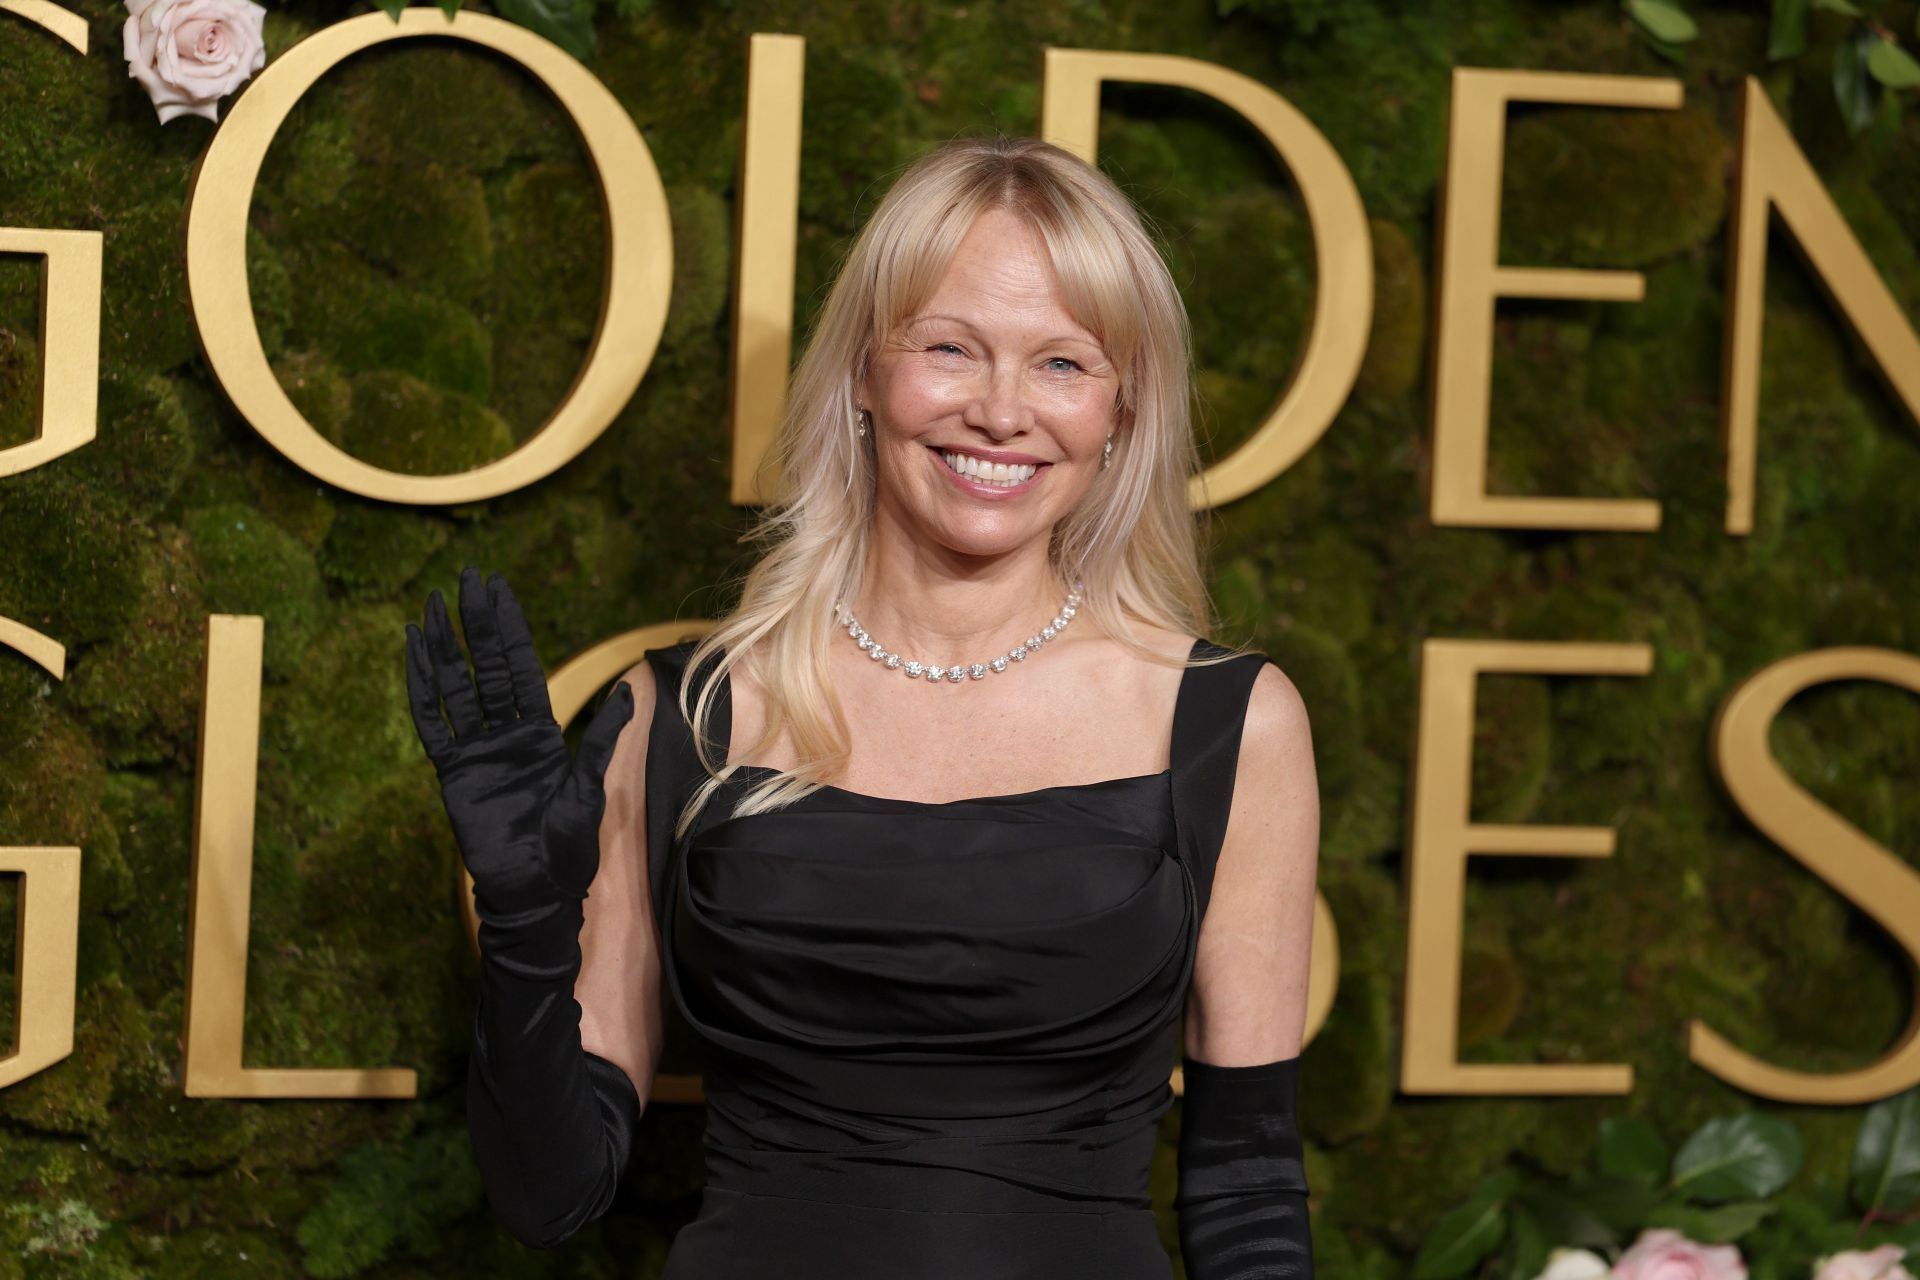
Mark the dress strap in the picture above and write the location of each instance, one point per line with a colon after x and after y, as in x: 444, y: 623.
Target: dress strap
x: 673, y: 768
x: 1208, y: 717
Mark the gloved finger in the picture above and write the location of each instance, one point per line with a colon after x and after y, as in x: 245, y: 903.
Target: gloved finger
x: 529, y: 681
x: 450, y: 670
x: 585, y: 784
x: 483, y: 637
x: 424, y: 697
x: 603, y: 734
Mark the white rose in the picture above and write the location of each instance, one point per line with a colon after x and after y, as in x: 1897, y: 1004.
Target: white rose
x: 188, y: 54
x: 1574, y: 1264
x: 1882, y: 1263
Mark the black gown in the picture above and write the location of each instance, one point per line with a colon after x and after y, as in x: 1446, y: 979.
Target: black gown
x: 937, y: 1037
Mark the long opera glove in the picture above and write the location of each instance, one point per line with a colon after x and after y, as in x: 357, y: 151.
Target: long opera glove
x: 1242, y: 1197
x: 551, y: 1124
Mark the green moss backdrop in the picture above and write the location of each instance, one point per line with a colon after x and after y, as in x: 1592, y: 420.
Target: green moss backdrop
x: 426, y: 259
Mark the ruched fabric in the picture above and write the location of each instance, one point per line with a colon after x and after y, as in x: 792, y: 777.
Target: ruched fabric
x: 936, y: 1038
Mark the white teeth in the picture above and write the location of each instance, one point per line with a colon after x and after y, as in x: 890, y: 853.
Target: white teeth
x: 1005, y: 474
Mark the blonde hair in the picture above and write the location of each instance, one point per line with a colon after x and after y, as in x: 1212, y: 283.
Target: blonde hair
x: 1133, y: 540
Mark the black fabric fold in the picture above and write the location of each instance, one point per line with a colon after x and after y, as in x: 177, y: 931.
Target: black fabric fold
x: 551, y: 1123
x: 1242, y: 1188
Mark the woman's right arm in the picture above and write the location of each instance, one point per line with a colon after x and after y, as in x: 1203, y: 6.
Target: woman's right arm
x: 622, y: 999
x: 551, y: 1124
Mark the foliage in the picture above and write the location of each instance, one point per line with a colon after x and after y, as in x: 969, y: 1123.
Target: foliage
x: 1726, y: 1183
x: 427, y: 252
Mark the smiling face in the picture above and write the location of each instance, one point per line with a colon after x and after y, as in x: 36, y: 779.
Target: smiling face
x: 994, y: 374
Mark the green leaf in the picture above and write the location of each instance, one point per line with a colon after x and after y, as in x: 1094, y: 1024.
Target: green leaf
x: 1837, y: 6
x: 1630, y: 1147
x: 1621, y: 1203
x: 1468, y: 1234
x: 1891, y: 65
x: 1719, y: 1224
x: 568, y: 23
x: 1736, y: 1158
x: 1663, y: 21
x: 392, y: 8
x: 1564, y: 1219
x: 1787, y: 33
x: 450, y: 7
x: 1857, y: 92
x: 1529, y: 1242
x: 1886, y: 1155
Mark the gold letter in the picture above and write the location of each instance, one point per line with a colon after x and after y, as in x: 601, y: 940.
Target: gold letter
x: 66, y: 24
x: 48, y: 953
x: 763, y: 278
x: 633, y: 305
x: 1471, y: 279
x: 1343, y: 246
x: 69, y: 302
x: 222, y: 893
x: 1443, y: 839
x: 69, y: 342
x: 1772, y: 173
x: 1866, y: 875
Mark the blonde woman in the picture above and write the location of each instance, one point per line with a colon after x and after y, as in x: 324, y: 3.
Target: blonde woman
x: 950, y: 837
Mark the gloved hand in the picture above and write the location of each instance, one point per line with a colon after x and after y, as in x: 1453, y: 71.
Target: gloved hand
x: 551, y: 1124
x: 1242, y: 1197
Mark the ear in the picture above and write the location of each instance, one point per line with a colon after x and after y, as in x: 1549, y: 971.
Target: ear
x: 863, y: 379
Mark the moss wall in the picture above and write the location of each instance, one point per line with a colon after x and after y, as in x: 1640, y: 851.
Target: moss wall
x: 426, y: 257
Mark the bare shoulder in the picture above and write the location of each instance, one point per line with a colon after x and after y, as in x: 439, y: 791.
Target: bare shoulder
x: 1278, y: 731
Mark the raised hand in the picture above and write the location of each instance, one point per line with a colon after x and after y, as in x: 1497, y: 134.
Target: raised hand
x: 525, y: 814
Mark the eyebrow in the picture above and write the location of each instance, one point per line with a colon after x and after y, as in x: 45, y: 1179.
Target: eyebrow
x: 1065, y: 337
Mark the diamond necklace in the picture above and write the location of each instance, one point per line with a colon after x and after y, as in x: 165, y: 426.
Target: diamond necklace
x: 958, y: 672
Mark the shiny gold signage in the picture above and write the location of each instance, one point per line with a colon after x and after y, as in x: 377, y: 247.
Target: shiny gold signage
x: 1471, y: 280
x: 1442, y: 838
x: 1870, y: 877
x: 1343, y: 244
x: 633, y: 303
x: 218, y: 918
x: 1774, y: 174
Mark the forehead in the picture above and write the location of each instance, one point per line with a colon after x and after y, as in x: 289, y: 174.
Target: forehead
x: 1000, y: 274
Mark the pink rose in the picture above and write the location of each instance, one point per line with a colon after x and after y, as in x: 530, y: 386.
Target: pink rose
x: 1662, y: 1253
x: 1863, y: 1264
x: 188, y: 54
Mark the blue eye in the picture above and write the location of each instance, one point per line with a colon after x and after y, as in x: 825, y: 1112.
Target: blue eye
x: 1063, y: 360
x: 944, y: 346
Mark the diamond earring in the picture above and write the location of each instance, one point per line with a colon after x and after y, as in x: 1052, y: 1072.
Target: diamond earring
x: 860, y: 420
x: 1106, y: 455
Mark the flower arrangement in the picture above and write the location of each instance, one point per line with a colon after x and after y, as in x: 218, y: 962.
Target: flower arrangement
x: 189, y: 54
x: 1716, y: 1209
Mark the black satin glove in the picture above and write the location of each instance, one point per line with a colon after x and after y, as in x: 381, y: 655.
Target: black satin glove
x: 551, y: 1124
x: 1242, y: 1198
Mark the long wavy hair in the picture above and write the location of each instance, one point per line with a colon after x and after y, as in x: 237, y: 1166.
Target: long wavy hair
x: 1133, y: 539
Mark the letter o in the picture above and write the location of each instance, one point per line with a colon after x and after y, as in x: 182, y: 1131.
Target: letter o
x: 639, y: 275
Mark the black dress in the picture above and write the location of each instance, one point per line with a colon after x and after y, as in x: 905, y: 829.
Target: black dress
x: 937, y: 1037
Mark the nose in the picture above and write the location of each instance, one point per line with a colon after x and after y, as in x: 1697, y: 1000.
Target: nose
x: 999, y: 403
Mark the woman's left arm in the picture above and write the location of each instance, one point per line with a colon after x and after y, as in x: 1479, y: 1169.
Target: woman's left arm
x: 1242, y: 1198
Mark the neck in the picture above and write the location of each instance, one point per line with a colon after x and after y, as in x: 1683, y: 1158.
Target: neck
x: 940, y: 607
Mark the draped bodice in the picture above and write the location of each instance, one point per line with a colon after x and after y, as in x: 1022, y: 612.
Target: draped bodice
x: 959, y: 1008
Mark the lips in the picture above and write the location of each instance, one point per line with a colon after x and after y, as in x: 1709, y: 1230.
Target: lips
x: 968, y: 484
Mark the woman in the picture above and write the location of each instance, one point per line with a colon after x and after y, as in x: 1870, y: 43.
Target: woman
x: 937, y: 943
